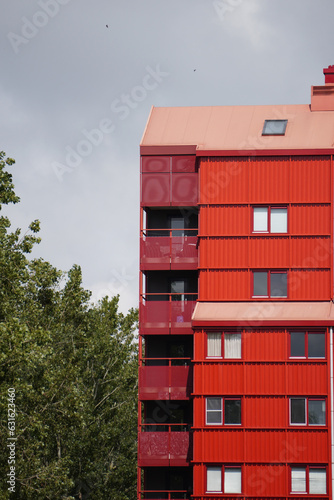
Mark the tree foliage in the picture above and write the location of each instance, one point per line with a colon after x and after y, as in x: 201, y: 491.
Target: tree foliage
x: 73, y: 365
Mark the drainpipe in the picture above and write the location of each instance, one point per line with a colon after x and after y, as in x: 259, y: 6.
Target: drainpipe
x: 332, y: 403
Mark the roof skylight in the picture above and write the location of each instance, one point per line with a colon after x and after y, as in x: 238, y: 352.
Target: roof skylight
x: 274, y: 127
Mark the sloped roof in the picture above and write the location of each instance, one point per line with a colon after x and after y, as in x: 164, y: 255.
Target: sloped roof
x: 263, y: 313
x: 239, y: 128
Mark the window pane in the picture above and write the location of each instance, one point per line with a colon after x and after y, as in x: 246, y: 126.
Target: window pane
x: 317, y: 481
x: 278, y: 285
x: 232, y: 345
x: 232, y: 411
x: 260, y: 284
x: 260, y: 219
x: 214, y: 344
x: 297, y: 408
x: 214, y: 411
x: 297, y: 344
x: 274, y: 127
x: 317, y: 412
x: 232, y: 480
x: 316, y: 345
x: 298, y: 480
x: 278, y: 220
x: 213, y: 479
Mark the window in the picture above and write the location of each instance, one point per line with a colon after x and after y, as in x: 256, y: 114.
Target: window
x: 309, y: 479
x: 270, y: 284
x: 224, y: 345
x: 270, y: 219
x: 307, y: 411
x: 214, y: 411
x: 274, y: 127
x: 214, y: 414
x: 307, y: 345
x: 223, y: 479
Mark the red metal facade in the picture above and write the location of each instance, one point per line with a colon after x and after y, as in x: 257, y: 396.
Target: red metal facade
x: 179, y: 449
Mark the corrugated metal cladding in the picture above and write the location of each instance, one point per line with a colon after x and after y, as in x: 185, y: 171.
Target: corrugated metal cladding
x: 266, y: 252
x: 252, y: 378
x: 265, y: 180
x: 234, y: 285
x: 261, y: 344
x: 260, y: 446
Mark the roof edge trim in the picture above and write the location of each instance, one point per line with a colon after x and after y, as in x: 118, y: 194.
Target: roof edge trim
x: 264, y: 152
x: 181, y: 149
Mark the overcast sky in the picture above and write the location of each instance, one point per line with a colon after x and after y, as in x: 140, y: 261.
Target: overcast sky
x: 79, y: 77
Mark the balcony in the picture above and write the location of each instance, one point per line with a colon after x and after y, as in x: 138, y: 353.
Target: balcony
x: 165, y: 495
x: 166, y: 313
x: 165, y: 378
x: 162, y: 249
x: 164, y: 445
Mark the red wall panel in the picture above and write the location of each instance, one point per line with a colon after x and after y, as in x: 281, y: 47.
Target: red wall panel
x: 227, y: 220
x: 264, y: 378
x: 264, y: 345
x: 224, y: 285
x: 218, y: 378
x: 309, y: 446
x: 311, y: 252
x: 269, y: 180
x: 307, y: 378
x: 155, y: 163
x: 264, y: 446
x: 184, y: 189
x: 223, y: 252
x: 183, y: 163
x: 155, y: 189
x: 223, y: 180
x: 309, y: 285
x: 264, y: 412
x: 310, y: 219
x: 268, y: 480
x: 268, y: 252
x: 310, y: 179
x: 213, y: 445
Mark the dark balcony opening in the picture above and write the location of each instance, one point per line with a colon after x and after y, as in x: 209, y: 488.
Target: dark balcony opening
x: 167, y: 483
x: 167, y: 416
x: 171, y: 285
x: 161, y: 350
x: 171, y: 222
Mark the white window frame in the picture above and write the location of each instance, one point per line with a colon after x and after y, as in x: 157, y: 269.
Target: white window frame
x: 207, y: 411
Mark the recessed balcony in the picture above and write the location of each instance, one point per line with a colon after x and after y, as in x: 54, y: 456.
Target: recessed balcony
x: 164, y: 445
x: 164, y: 249
x: 166, y: 313
x: 165, y: 378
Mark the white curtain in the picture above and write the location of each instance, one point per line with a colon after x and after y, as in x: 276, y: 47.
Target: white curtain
x: 232, y: 345
x: 214, y: 345
x: 298, y: 480
x: 278, y: 220
x: 317, y: 481
x: 232, y: 480
x: 260, y: 219
x: 214, y: 479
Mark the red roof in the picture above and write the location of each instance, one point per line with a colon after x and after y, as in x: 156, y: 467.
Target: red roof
x: 238, y: 128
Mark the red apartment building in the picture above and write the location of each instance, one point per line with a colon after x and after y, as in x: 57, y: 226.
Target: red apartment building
x: 236, y: 301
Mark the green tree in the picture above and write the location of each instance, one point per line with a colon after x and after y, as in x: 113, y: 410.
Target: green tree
x: 73, y: 365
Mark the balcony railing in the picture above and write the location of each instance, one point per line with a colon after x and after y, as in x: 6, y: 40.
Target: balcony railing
x: 164, y: 495
x: 164, y: 445
x: 165, y: 378
x: 163, y: 313
x: 168, y: 249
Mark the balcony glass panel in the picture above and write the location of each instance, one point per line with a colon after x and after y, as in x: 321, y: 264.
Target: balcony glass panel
x: 167, y: 447
x: 160, y: 313
x: 172, y: 381
x: 163, y: 248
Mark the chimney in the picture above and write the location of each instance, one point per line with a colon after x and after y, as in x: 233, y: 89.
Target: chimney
x: 322, y: 96
x: 329, y: 74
